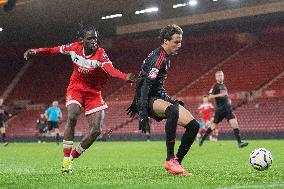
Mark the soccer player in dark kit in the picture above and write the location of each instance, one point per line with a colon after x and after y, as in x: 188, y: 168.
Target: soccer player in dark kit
x: 223, y: 109
x: 151, y: 100
x: 91, y: 67
x: 3, y: 118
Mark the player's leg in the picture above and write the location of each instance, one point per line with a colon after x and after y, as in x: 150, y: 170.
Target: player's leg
x: 215, y: 133
x: 39, y: 136
x: 95, y: 121
x: 57, y: 137
x: 202, y: 129
x: 234, y: 124
x: 176, y: 114
x: 191, y: 130
x: 207, y: 132
x: 218, y: 117
x: 148, y: 135
x: 163, y: 108
x: 3, y: 134
x: 74, y: 111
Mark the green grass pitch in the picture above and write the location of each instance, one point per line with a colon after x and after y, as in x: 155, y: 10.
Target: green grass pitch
x: 134, y: 165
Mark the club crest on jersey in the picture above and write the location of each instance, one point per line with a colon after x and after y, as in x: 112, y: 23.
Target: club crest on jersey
x: 153, y: 73
x: 105, y: 56
x: 68, y: 44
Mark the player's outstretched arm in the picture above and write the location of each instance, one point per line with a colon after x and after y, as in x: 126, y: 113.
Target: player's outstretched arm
x: 53, y: 50
x: 112, y: 71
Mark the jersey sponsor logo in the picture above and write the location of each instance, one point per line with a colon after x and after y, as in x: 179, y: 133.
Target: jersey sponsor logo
x: 83, y: 70
x: 153, y: 73
x: 82, y: 62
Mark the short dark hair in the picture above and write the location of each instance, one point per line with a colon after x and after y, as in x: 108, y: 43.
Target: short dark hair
x: 168, y: 31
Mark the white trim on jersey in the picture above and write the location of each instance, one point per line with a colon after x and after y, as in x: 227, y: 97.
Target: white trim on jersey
x: 103, y: 63
x: 96, y: 109
x: 61, y: 49
x: 73, y: 102
x: 83, y: 62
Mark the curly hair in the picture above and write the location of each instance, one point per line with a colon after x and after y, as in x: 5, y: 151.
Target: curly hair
x: 168, y: 31
x: 85, y: 30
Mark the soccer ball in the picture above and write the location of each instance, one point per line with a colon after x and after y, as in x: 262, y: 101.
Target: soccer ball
x: 260, y: 159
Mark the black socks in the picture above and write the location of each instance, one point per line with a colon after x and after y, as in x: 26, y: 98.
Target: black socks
x: 172, y: 114
x: 237, y: 134
x: 187, y: 139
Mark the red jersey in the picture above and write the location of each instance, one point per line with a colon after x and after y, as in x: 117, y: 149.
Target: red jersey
x: 91, y: 71
x: 206, y: 111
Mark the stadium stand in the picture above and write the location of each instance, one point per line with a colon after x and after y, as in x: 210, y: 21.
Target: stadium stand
x: 246, y: 68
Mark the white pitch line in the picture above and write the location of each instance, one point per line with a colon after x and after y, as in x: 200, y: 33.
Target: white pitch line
x: 254, y: 186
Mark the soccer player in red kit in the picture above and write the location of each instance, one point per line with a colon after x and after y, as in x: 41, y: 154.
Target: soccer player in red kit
x: 91, y: 69
x: 206, y: 110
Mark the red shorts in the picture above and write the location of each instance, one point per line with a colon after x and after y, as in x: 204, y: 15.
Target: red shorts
x: 87, y: 98
x: 206, y: 119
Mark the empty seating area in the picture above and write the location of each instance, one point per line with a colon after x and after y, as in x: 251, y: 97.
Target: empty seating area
x: 249, y: 70
x: 277, y: 84
x: 48, y: 77
x: 44, y: 81
x: 262, y: 114
x: 198, y: 58
x: 9, y: 67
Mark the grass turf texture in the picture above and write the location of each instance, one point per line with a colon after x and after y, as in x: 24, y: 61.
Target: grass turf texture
x: 139, y: 165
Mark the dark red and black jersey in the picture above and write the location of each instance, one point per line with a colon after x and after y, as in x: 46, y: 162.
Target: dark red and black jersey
x: 155, y: 70
x: 221, y: 102
x: 151, y: 79
x: 3, y: 114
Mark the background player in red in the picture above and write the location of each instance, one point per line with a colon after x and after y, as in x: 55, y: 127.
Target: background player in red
x: 223, y: 109
x: 91, y: 69
x: 206, y: 110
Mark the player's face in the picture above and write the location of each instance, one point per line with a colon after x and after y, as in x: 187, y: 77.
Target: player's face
x: 174, y: 44
x: 220, y: 77
x: 1, y: 101
x: 90, y: 40
x: 205, y: 99
x: 55, y: 103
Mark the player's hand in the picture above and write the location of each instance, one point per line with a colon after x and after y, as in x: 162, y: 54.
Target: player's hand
x: 130, y: 78
x: 29, y: 53
x: 143, y: 124
x: 222, y: 94
x: 132, y: 110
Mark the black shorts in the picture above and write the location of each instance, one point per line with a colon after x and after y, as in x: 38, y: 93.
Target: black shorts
x: 43, y: 129
x: 2, y: 124
x: 151, y: 110
x: 220, y: 114
x: 52, y: 125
